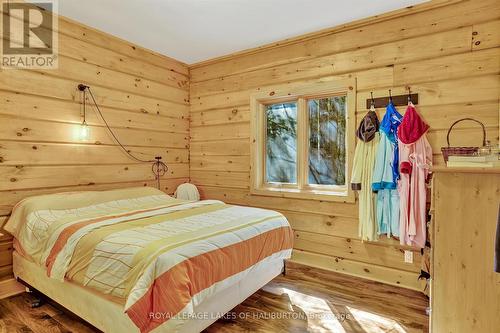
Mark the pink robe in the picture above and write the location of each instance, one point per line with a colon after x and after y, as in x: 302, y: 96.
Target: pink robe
x: 415, y: 159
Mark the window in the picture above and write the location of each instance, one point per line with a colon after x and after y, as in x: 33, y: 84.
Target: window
x: 327, y: 138
x: 281, y: 143
x: 303, y: 141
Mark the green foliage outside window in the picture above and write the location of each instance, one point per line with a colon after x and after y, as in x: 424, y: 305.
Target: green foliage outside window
x: 327, y: 146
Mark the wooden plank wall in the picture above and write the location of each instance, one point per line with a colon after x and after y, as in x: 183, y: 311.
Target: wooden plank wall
x: 447, y: 52
x: 144, y: 97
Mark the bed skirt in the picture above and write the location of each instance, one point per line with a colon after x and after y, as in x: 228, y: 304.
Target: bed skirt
x: 106, y: 313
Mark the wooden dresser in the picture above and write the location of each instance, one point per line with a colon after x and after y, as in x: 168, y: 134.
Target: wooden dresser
x: 465, y: 291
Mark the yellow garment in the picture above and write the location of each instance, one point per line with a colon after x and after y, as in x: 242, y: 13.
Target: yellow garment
x: 364, y: 161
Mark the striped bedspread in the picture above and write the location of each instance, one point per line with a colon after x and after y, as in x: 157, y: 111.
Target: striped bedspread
x: 163, y: 256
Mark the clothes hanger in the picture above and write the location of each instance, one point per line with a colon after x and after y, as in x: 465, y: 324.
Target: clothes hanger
x: 390, y: 96
x: 372, y: 105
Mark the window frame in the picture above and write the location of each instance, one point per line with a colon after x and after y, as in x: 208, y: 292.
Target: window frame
x: 258, y: 122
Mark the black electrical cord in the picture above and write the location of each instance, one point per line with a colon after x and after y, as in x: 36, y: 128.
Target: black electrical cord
x: 158, y: 168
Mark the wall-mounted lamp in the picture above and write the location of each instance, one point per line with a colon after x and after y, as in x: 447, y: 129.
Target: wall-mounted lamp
x: 84, y: 131
x: 158, y: 167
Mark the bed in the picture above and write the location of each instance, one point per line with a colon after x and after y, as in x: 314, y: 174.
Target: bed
x: 138, y: 260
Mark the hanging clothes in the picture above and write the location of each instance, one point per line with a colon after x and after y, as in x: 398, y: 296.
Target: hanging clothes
x: 362, y: 171
x: 415, y: 155
x: 386, y: 174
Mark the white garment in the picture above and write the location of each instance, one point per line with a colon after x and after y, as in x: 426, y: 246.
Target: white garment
x: 187, y: 192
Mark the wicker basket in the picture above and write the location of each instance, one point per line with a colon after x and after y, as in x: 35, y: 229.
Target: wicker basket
x: 461, y: 151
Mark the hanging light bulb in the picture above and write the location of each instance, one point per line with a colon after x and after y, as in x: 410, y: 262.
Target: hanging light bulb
x: 84, y: 131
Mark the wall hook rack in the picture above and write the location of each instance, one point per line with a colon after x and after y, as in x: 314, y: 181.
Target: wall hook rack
x: 398, y: 100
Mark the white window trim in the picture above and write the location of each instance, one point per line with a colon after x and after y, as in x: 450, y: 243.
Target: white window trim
x: 301, y: 93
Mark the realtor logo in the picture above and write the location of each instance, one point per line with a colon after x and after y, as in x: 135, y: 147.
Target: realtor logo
x: 29, y: 34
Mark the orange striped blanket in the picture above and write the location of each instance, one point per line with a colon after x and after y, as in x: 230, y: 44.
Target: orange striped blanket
x: 163, y: 256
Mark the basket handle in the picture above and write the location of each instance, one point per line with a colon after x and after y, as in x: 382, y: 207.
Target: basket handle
x: 456, y: 122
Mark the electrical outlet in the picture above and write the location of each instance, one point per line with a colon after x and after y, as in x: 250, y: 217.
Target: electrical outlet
x: 408, y: 257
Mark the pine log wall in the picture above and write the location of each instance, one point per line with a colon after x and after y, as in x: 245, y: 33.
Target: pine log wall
x: 143, y: 96
x: 446, y: 51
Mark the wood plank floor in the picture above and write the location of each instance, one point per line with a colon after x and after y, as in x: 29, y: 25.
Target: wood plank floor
x: 305, y: 300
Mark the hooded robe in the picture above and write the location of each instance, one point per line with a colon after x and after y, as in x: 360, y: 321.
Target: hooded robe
x: 415, y: 158
x: 362, y: 171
